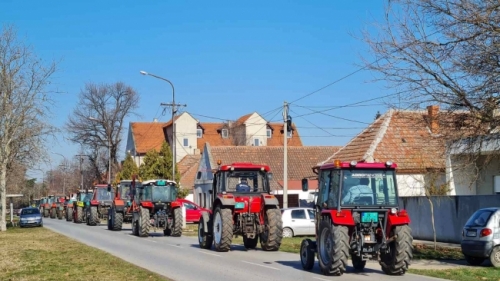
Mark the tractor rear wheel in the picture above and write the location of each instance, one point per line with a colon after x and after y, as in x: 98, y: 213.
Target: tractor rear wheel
x: 223, y: 229
x: 250, y: 243
x: 79, y: 215
x: 400, y: 254
x: 115, y: 219
x: 205, y: 239
x: 52, y: 213
x: 307, y: 254
x: 270, y: 239
x: 69, y: 214
x: 93, y: 216
x: 60, y: 214
x: 45, y: 213
x: 177, y: 223
x: 333, y: 248
x: 144, y: 222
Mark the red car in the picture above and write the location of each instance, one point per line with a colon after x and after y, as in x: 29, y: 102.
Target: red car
x: 193, y: 211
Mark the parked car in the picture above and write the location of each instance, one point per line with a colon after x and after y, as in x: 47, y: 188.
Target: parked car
x: 481, y: 237
x: 298, y: 221
x: 30, y: 217
x: 193, y: 211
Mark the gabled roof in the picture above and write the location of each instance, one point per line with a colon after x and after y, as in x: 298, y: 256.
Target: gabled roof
x: 212, y: 135
x: 147, y: 135
x: 301, y: 159
x: 188, y: 167
x: 401, y: 136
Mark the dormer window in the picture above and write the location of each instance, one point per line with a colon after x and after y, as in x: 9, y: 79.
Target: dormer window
x: 225, y: 133
x: 199, y: 133
x: 268, y: 133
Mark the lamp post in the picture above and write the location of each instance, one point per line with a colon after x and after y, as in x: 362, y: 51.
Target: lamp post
x: 109, y: 152
x: 173, y: 121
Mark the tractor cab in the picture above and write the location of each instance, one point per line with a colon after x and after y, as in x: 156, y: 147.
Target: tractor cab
x: 160, y: 192
x: 102, y: 195
x: 124, y: 190
x: 357, y: 208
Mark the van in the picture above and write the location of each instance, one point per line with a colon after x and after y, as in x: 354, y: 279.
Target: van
x: 481, y: 237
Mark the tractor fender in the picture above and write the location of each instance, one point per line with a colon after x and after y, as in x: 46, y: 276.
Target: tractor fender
x: 175, y: 204
x: 228, y: 201
x: 400, y: 218
x: 206, y: 219
x: 270, y: 200
x: 344, y: 217
x: 119, y: 208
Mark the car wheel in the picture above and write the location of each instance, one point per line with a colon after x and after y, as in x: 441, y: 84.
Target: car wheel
x: 495, y: 256
x: 287, y: 232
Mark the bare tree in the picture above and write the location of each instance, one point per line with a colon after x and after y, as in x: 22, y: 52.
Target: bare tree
x: 98, y: 117
x: 24, y: 107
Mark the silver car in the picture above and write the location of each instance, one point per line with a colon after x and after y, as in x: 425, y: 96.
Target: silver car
x: 481, y: 237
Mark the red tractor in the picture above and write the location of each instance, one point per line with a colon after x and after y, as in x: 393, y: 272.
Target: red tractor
x: 242, y: 204
x: 154, y: 202
x: 119, y: 210
x: 357, y: 214
x: 60, y: 206
x: 99, y: 204
x: 52, y: 206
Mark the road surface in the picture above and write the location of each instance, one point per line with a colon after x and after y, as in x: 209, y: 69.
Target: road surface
x: 180, y: 258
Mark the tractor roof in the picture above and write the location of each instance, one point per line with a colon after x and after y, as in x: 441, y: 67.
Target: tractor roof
x: 159, y: 182
x: 244, y: 166
x: 101, y: 185
x: 337, y: 164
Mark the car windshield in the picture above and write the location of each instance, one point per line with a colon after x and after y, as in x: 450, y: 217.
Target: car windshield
x: 30, y: 212
x: 479, y: 218
x: 245, y: 181
x: 368, y: 187
x: 104, y: 195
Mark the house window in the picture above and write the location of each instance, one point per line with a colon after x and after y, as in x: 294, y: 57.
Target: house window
x: 199, y: 133
x: 224, y: 133
x: 198, y: 175
x: 186, y: 142
x: 256, y: 142
x: 199, y: 199
x: 289, y: 134
x: 204, y: 199
x: 268, y: 132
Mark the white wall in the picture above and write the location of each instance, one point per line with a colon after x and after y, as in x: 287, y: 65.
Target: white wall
x: 460, y: 176
x: 185, y: 128
x: 256, y: 129
x: 410, y: 185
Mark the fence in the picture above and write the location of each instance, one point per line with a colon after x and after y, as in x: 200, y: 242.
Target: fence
x: 450, y: 214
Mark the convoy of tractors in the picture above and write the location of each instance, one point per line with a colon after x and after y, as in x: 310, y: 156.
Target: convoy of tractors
x: 357, y: 215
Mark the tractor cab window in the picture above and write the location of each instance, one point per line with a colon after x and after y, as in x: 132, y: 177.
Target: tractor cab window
x: 50, y: 200
x: 124, y: 192
x: 166, y: 193
x: 328, y: 189
x: 245, y: 181
x: 368, y: 188
x: 104, y: 195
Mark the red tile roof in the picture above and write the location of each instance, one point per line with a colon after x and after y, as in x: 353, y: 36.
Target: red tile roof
x: 403, y: 137
x: 148, y: 135
x: 188, y: 168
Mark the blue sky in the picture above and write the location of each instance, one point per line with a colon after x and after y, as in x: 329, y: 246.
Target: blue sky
x: 225, y: 58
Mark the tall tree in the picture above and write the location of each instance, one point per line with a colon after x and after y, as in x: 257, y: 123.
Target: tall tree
x: 25, y: 104
x: 97, y: 121
x: 129, y: 168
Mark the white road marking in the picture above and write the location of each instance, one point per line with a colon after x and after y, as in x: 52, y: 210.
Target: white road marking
x: 151, y: 240
x: 261, y: 265
x: 207, y: 253
x: 321, y: 279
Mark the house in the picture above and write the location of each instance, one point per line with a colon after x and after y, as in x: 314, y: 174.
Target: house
x: 301, y: 159
x: 413, y: 140
x: 191, y: 135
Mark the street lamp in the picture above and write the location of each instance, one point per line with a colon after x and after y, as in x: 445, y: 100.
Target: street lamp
x: 173, y: 121
x: 109, y: 152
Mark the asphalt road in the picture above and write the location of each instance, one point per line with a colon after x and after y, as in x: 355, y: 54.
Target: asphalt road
x: 180, y: 258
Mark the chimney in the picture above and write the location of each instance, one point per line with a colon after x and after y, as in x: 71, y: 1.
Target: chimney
x: 433, y: 111
x: 155, y: 120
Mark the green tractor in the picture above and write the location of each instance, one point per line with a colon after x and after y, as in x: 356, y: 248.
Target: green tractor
x: 43, y: 207
x: 69, y: 206
x: 82, y: 199
x: 51, y: 206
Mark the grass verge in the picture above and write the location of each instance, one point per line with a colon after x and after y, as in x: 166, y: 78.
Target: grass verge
x: 40, y: 254
x: 292, y: 245
x: 462, y: 274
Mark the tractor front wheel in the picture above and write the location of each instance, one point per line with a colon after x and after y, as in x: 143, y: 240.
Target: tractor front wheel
x: 177, y: 223
x: 144, y: 222
x: 333, y: 248
x: 69, y: 214
x: 79, y: 215
x: 115, y: 220
x: 223, y: 229
x: 270, y: 239
x: 307, y: 254
x: 400, y: 254
x: 93, y: 216
x: 205, y: 239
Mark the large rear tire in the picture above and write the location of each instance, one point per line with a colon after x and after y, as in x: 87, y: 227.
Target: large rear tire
x: 93, y: 216
x: 270, y: 239
x: 45, y: 213
x: 69, y: 214
x: 115, y: 220
x: 79, y: 215
x: 307, y: 254
x: 205, y: 239
x: 400, y: 254
x: 177, y: 223
x: 333, y: 249
x: 59, y: 214
x: 223, y: 229
x: 144, y: 222
x: 52, y: 213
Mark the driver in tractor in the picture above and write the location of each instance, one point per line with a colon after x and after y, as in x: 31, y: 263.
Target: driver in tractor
x: 243, y: 186
x: 361, y: 192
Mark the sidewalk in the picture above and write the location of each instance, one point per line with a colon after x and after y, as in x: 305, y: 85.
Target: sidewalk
x: 439, y: 244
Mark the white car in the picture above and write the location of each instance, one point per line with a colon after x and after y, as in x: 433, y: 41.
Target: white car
x: 298, y: 221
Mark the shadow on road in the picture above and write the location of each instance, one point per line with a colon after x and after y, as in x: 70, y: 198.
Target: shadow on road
x: 233, y: 248
x: 349, y: 270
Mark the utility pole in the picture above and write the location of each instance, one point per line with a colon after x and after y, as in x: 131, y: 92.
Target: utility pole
x: 285, y: 155
x: 174, y: 137
x: 81, y: 171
